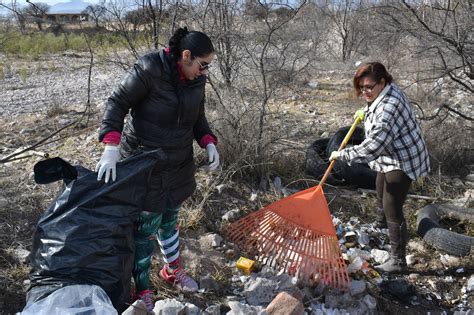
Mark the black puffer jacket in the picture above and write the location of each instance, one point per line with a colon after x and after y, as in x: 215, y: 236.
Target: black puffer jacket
x: 165, y: 113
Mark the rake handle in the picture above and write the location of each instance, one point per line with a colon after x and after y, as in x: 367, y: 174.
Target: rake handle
x: 343, y: 144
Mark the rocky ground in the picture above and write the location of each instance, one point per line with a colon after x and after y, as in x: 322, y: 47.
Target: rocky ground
x: 42, y: 96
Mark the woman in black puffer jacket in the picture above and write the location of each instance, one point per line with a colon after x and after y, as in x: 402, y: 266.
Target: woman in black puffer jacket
x: 162, y: 99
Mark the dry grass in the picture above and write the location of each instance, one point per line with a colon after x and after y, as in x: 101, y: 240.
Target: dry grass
x: 450, y: 146
x: 311, y: 113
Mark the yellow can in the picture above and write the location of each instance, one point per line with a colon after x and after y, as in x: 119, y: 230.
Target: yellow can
x: 245, y: 265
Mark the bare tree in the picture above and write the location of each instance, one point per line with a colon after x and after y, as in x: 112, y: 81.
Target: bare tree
x: 256, y: 59
x: 37, y: 12
x: 345, y: 17
x: 17, y: 14
x: 96, y: 12
x: 222, y: 20
x: 137, y: 18
x: 442, y: 31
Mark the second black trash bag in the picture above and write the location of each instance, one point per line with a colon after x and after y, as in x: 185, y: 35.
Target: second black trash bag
x: 86, y: 236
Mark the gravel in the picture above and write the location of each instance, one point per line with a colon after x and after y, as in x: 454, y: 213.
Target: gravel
x: 58, y: 81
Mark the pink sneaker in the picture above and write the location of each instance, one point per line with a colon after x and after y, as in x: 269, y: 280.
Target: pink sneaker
x: 147, y: 297
x: 179, y: 279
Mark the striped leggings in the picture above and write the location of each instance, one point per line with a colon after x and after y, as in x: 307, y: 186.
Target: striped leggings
x: 151, y: 226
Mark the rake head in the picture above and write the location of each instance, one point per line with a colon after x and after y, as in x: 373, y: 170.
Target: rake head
x: 294, y: 246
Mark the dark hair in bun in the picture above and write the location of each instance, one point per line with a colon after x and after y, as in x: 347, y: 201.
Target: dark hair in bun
x: 198, y: 43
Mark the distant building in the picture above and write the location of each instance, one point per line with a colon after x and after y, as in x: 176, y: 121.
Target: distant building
x: 67, y: 17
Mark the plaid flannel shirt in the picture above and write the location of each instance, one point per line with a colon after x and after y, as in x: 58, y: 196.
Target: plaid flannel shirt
x: 393, y: 139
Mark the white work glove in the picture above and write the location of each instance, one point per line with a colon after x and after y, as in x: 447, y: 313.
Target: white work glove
x: 107, y: 163
x: 334, y: 155
x: 213, y: 156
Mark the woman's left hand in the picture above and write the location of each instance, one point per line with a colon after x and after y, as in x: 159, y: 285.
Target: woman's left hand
x: 213, y: 156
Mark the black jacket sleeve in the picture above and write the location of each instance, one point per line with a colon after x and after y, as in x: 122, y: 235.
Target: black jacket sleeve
x: 201, y: 128
x: 134, y: 88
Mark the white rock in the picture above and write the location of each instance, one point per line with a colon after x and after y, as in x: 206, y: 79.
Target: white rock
x: 230, y: 215
x: 169, y: 307
x: 259, y: 291
x: 191, y: 309
x: 21, y: 254
x: 239, y: 308
x: 413, y: 276
x: 470, y: 283
x: 449, y: 261
x: 137, y: 308
x: 380, y: 256
x: 411, y: 259
x: 449, y: 279
x: 313, y: 84
x: 470, y: 177
x: 211, y: 240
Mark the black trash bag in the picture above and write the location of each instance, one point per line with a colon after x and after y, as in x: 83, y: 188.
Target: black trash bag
x: 317, y: 162
x: 86, y: 236
x: 398, y: 288
x: 356, y: 174
x: 52, y: 170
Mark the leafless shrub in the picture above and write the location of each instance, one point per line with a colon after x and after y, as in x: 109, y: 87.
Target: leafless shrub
x: 347, y: 20
x: 450, y: 144
x: 256, y: 59
x: 438, y: 35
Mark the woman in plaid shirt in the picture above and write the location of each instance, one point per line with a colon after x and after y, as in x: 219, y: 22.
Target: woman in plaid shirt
x: 393, y: 146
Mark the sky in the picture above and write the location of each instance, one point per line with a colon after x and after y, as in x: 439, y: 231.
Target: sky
x: 49, y: 2
x: 19, y: 3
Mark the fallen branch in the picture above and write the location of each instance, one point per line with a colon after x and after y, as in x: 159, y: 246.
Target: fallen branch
x: 351, y: 193
x: 370, y: 191
x: 10, y: 157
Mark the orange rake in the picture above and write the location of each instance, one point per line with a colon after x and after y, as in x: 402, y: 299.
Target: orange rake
x: 296, y: 234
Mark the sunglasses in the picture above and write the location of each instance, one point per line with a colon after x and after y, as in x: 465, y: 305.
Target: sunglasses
x: 367, y: 88
x: 203, y: 66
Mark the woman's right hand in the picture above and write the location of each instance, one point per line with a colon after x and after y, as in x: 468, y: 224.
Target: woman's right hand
x: 107, y: 163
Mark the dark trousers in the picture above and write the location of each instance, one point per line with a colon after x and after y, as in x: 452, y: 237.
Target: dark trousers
x: 392, y: 189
